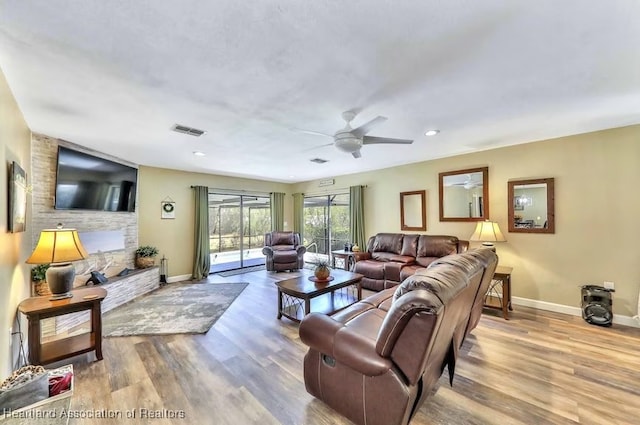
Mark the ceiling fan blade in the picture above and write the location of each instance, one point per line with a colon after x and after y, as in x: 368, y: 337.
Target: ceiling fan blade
x: 356, y: 154
x: 365, y: 128
x: 315, y: 133
x: 317, y: 147
x: 370, y: 140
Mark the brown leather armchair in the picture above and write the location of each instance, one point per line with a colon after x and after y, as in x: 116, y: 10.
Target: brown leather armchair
x: 376, y: 361
x: 283, y: 251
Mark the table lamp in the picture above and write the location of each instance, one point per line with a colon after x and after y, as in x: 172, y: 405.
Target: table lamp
x: 488, y: 232
x: 59, y: 247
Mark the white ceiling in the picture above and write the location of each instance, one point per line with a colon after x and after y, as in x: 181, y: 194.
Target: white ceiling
x: 115, y: 76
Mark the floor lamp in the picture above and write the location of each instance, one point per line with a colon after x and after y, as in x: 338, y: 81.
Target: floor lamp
x: 59, y: 247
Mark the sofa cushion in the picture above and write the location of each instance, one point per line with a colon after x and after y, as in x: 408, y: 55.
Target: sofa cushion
x: 409, y: 245
x: 371, y: 269
x: 409, y: 271
x: 282, y: 238
x: 282, y: 247
x: 426, y: 261
x: 288, y: 256
x: 443, y: 281
x: 402, y: 259
x: 388, y: 242
x: 382, y: 256
x: 436, y: 246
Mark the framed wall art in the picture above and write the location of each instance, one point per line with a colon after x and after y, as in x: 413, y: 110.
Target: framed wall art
x: 168, y: 209
x: 17, y: 199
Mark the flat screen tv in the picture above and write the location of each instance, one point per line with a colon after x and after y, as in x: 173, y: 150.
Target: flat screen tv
x: 87, y: 182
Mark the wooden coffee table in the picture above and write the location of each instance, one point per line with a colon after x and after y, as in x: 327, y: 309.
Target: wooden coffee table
x: 296, y: 295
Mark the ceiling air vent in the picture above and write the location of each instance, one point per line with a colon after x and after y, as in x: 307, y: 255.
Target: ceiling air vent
x: 319, y: 160
x: 188, y: 130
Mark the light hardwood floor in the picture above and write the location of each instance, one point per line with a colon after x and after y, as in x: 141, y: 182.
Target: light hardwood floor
x: 537, y: 368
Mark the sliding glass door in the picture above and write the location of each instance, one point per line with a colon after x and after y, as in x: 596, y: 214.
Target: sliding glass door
x: 326, y: 225
x: 237, y: 224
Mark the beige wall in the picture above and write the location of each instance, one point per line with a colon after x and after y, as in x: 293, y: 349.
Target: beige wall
x: 596, y: 223
x: 14, y: 247
x: 175, y: 238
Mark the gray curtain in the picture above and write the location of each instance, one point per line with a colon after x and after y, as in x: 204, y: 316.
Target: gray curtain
x: 202, y: 257
x: 298, y: 214
x: 277, y: 211
x: 356, y: 215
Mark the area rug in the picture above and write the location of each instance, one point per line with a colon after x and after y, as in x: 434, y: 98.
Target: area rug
x: 177, y: 308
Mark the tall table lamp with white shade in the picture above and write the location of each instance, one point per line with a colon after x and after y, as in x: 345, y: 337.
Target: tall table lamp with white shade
x: 488, y: 232
x: 59, y: 247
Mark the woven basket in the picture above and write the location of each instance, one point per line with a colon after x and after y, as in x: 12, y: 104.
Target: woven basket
x: 41, y: 288
x: 145, y: 262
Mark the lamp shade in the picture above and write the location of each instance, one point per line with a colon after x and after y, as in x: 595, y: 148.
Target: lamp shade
x: 487, y: 231
x: 58, y: 246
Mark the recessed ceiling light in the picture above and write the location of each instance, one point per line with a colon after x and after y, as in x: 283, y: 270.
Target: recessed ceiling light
x: 198, y: 153
x: 431, y: 132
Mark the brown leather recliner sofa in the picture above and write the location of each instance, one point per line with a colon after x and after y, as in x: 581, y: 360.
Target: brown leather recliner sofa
x: 390, y: 258
x: 283, y: 251
x: 378, y: 360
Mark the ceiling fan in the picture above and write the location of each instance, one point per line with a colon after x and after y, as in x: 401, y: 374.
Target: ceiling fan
x: 350, y: 140
x: 468, y: 183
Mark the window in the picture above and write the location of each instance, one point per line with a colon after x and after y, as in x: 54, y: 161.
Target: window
x: 326, y: 225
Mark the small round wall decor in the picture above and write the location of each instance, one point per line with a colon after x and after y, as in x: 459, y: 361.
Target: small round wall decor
x: 168, y: 209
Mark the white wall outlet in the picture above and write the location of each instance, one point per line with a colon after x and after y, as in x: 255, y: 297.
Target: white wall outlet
x: 609, y: 285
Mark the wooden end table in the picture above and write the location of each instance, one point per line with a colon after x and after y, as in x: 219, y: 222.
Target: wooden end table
x: 38, y: 308
x: 499, y: 294
x: 347, y: 257
x: 295, y: 294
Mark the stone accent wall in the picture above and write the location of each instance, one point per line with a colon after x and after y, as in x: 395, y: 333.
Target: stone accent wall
x: 120, y: 290
x: 44, y: 152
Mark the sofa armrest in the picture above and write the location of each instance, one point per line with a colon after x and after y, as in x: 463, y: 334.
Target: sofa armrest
x: 323, y: 334
x: 318, y: 331
x: 301, y: 249
x: 268, y: 251
x: 359, y: 256
x: 463, y: 246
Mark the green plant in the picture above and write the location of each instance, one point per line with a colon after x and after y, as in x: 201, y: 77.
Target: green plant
x: 322, y: 264
x: 147, y: 251
x: 39, y: 272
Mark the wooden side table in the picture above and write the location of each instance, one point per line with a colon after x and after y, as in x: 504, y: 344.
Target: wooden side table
x: 38, y: 308
x: 499, y: 294
x: 347, y: 257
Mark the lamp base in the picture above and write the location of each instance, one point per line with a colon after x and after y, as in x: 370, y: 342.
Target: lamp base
x: 60, y: 279
x: 61, y: 296
x: 489, y: 245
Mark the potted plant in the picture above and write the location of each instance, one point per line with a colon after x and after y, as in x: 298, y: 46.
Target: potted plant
x: 39, y: 279
x: 322, y: 270
x: 145, y: 256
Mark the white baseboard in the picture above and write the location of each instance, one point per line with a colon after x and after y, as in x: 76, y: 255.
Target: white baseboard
x: 179, y: 278
x: 573, y: 311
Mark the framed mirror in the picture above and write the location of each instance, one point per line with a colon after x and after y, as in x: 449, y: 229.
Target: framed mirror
x: 413, y: 210
x: 531, y: 206
x: 464, y: 195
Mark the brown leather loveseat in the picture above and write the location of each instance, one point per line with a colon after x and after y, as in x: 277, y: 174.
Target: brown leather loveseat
x: 392, y: 257
x: 378, y: 360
